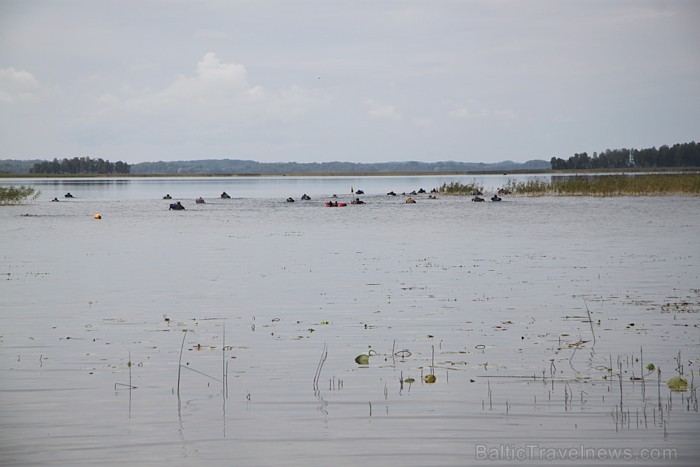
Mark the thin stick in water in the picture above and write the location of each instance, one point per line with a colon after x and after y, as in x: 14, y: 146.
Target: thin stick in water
x: 324, y: 355
x: 179, y: 366
x: 590, y: 320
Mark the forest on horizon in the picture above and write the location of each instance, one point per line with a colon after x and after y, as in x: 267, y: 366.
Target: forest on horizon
x: 678, y: 155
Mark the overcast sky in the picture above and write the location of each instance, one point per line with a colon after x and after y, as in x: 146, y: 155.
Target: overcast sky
x: 352, y: 80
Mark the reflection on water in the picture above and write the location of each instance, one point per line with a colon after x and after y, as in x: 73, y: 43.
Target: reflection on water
x: 227, y: 333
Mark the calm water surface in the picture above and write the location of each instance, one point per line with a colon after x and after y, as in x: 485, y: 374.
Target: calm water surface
x: 493, y: 298
x: 250, y: 187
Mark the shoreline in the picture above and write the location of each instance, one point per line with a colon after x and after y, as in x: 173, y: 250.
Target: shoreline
x: 660, y: 171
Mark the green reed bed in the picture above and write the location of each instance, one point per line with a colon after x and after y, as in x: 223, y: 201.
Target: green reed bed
x: 530, y: 187
x: 14, y: 195
x: 610, y: 185
x: 456, y: 188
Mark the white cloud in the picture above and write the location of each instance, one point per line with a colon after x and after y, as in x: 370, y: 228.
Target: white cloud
x: 19, y: 86
x: 214, y: 83
x: 217, y: 90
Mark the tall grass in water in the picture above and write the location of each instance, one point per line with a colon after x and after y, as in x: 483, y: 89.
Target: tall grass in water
x: 530, y: 187
x: 14, y: 195
x: 611, y: 185
x: 457, y: 188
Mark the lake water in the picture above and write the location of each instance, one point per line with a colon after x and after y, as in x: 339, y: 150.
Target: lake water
x: 250, y: 293
x: 248, y: 187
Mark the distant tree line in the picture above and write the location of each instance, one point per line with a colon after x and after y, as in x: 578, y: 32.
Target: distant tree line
x: 678, y: 155
x: 248, y: 167
x: 14, y: 166
x: 80, y: 166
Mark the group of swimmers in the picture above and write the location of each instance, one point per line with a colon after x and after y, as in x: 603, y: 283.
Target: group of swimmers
x: 333, y: 202
x: 409, y: 200
x: 304, y: 197
x: 177, y: 206
x: 479, y: 199
x: 67, y: 195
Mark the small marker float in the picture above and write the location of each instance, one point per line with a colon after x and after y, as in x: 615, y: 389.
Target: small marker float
x: 97, y: 216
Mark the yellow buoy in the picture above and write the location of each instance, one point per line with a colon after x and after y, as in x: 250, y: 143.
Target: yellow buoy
x: 98, y: 216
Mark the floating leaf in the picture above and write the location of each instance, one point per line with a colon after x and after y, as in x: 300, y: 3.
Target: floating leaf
x: 362, y: 359
x: 430, y: 379
x: 651, y: 367
x: 677, y: 384
x: 409, y: 380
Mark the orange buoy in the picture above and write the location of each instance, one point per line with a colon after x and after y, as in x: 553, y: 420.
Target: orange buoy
x: 98, y: 216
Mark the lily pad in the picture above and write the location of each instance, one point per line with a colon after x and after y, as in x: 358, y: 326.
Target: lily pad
x: 362, y: 359
x: 677, y: 384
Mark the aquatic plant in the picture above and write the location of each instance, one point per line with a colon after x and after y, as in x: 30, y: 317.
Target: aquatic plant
x: 677, y: 384
x: 187, y: 367
x: 457, y: 188
x: 179, y: 363
x: 590, y: 320
x: 431, y: 378
x: 322, y: 360
x: 129, y: 386
x: 610, y: 185
x: 531, y: 187
x: 362, y: 359
x: 14, y: 195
